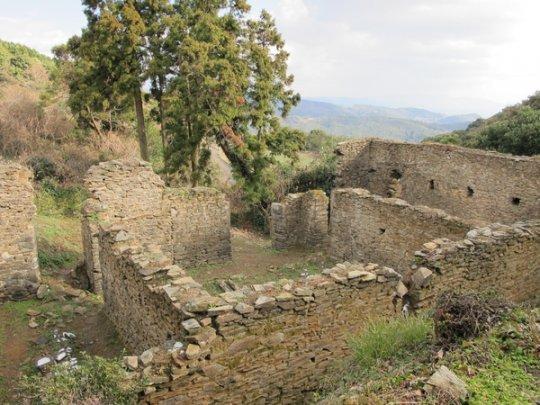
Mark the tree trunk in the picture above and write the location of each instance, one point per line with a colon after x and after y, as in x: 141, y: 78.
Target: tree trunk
x: 162, y: 111
x: 141, y: 129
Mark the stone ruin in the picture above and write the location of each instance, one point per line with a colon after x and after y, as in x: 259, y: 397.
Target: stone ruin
x: 190, y: 226
x: 19, y: 270
x: 404, y: 217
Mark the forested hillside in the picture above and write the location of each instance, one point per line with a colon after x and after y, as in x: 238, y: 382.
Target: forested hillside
x: 515, y: 130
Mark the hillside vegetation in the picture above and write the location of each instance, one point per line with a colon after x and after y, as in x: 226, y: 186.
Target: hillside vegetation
x: 515, y: 130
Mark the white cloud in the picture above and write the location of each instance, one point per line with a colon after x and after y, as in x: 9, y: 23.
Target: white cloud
x: 454, y: 56
x: 40, y: 35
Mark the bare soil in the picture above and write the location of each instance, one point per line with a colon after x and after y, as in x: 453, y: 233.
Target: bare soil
x: 255, y: 261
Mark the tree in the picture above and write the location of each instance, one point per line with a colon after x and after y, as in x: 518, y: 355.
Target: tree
x: 119, y: 51
x: 230, y: 78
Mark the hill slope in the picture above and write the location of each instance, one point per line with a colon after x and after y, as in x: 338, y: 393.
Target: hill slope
x: 410, y: 124
x: 515, y: 130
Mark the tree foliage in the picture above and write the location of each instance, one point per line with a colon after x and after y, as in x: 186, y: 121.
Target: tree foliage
x: 514, y: 130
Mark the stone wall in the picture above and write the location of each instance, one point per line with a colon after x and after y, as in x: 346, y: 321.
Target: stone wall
x: 19, y: 270
x: 498, y: 257
x: 275, y: 342
x: 300, y: 220
x: 371, y: 228
x: 190, y: 225
x: 475, y: 185
x: 125, y: 191
x: 200, y: 228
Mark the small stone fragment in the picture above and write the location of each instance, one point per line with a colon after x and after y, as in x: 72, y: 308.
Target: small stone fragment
x: 193, y: 351
x: 191, y: 326
x: 445, y: 380
x: 147, y: 357
x: 33, y: 324
x: 421, y: 277
x: 131, y: 362
x: 265, y: 302
x: 243, y: 308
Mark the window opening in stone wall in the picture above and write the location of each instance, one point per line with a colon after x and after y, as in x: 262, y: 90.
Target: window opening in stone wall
x: 470, y: 191
x: 396, y: 174
x: 432, y: 184
x: 516, y: 200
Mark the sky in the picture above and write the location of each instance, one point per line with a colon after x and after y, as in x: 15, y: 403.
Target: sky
x: 450, y: 56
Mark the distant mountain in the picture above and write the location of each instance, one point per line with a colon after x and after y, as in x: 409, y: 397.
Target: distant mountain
x: 411, y: 124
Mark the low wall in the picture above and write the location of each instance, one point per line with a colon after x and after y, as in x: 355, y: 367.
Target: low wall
x: 498, y: 257
x: 370, y: 228
x: 275, y: 342
x: 300, y: 220
x: 19, y: 270
x: 472, y: 184
x: 200, y: 225
x: 191, y: 226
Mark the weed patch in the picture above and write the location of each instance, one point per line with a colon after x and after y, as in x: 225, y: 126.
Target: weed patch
x: 95, y: 380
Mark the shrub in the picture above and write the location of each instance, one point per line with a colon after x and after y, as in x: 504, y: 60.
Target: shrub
x: 461, y: 316
x: 53, y: 199
x: 42, y: 167
x: 95, y: 380
x: 386, y: 339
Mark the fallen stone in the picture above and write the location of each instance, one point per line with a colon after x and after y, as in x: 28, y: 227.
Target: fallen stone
x: 80, y: 310
x: 131, y: 362
x: 147, y: 357
x: 445, y: 380
x: 33, y: 313
x: 430, y: 246
x: 42, y: 291
x: 421, y: 277
x: 191, y: 326
x: 193, y: 351
x: 43, y: 362
x: 401, y: 290
x: 33, y: 324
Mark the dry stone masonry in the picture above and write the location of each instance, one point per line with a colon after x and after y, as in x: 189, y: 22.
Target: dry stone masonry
x: 472, y: 184
x: 368, y: 227
x: 19, y: 270
x: 300, y: 220
x: 191, y: 226
x: 274, y: 342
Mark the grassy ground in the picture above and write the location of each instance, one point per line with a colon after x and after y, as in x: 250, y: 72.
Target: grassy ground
x: 392, y: 361
x: 254, y: 261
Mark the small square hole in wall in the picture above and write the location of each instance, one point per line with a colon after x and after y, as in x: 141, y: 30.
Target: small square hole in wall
x: 516, y: 200
x: 432, y: 184
x: 470, y: 191
x: 396, y: 174
x: 382, y: 231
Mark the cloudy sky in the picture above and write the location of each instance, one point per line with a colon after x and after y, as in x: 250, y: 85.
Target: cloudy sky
x: 452, y: 56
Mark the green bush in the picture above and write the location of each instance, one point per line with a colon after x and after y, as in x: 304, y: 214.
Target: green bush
x: 95, y: 380
x: 386, y: 339
x: 54, y: 200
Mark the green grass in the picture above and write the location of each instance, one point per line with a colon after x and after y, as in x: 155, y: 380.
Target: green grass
x: 101, y: 379
x: 390, y: 339
x: 58, y: 225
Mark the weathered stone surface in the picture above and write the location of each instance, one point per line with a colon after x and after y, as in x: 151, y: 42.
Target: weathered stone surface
x: 131, y: 362
x: 191, y: 226
x: 147, y: 357
x: 193, y: 351
x: 191, y: 326
x: 481, y: 190
x: 265, y: 302
x: 243, y: 308
x: 19, y: 271
x: 300, y: 220
x: 445, y: 380
x: 421, y: 277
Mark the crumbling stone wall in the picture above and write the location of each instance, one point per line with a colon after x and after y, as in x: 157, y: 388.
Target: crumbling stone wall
x: 475, y: 185
x: 275, y: 342
x: 371, y: 228
x: 19, y: 270
x: 190, y: 226
x: 497, y: 257
x: 125, y: 191
x: 300, y: 220
x: 200, y: 225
